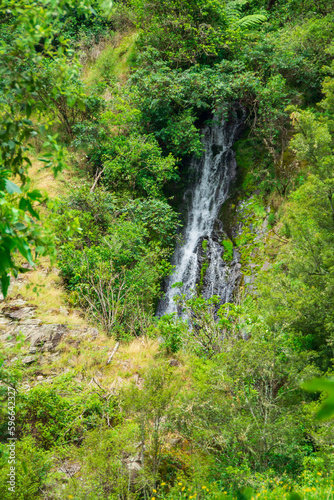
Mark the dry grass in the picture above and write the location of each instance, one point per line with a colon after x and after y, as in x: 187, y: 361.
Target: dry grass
x: 42, y: 287
x: 89, y: 359
x: 43, y: 179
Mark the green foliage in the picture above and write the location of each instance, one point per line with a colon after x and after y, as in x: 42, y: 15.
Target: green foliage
x: 73, y: 24
x: 327, y: 385
x: 182, y: 33
x: 302, y: 52
x: 59, y: 412
x: 104, y: 456
x: 27, y: 59
x: 228, y: 253
x: 153, y: 408
x: 136, y: 163
x: 156, y: 216
x: 304, y: 271
x: 244, y: 389
x: 210, y: 324
x: 31, y: 470
x: 238, y: 424
x: 248, y: 22
x: 111, y: 258
x: 172, y: 330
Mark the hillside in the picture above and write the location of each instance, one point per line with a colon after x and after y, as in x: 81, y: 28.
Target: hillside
x: 166, y: 249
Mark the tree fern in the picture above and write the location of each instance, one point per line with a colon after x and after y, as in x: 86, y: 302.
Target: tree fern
x: 252, y: 21
x: 234, y: 8
x: 234, y: 14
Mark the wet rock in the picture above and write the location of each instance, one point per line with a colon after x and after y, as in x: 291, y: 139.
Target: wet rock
x: 201, y: 249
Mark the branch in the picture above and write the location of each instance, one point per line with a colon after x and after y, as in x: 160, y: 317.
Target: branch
x: 113, y: 353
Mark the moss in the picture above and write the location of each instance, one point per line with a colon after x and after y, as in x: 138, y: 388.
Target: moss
x: 250, y: 156
x: 228, y: 250
x: 248, y: 242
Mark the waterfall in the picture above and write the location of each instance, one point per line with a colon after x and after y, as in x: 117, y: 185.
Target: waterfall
x: 214, y: 173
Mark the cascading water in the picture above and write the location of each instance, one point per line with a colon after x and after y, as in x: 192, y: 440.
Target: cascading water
x: 214, y: 173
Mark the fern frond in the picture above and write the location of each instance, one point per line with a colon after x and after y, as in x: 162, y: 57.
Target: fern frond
x: 236, y: 4
x: 249, y: 22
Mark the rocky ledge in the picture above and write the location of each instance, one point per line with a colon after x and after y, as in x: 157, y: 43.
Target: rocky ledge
x: 18, y: 321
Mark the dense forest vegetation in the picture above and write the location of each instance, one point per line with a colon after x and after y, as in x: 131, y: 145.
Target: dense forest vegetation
x: 235, y: 401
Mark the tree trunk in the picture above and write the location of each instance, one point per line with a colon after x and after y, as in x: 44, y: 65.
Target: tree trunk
x: 271, y: 4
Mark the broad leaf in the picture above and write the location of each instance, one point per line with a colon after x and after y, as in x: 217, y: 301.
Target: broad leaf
x: 11, y: 187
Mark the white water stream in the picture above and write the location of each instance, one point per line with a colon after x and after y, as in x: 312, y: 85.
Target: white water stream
x: 214, y: 173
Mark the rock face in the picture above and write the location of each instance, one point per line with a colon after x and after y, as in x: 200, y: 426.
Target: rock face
x: 134, y: 464
x: 18, y: 311
x: 17, y: 319
x: 28, y: 360
x: 47, y: 337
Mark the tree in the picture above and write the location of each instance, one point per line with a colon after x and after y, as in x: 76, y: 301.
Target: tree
x: 34, y: 64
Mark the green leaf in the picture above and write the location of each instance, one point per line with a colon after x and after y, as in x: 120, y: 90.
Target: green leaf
x: 322, y: 385
x: 295, y: 496
x: 31, y: 210
x: 35, y: 194
x: 28, y: 110
x: 23, y: 204
x: 11, y: 187
x: 251, y: 21
x: 20, y: 227
x: 319, y: 385
x: 5, y: 281
x: 327, y: 410
x: 81, y: 105
x: 40, y: 250
x: 245, y: 493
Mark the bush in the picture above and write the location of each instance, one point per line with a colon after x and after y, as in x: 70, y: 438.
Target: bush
x: 31, y: 470
x: 171, y: 330
x: 58, y: 413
